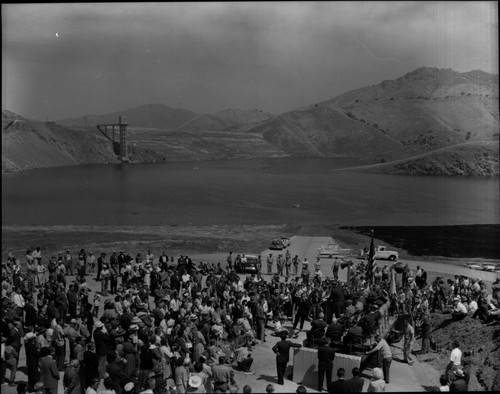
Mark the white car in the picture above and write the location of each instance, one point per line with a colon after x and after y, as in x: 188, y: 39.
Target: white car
x: 489, y: 267
x: 474, y: 266
x: 332, y: 250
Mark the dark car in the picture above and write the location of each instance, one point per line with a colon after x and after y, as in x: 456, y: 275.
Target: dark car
x: 251, y: 264
x: 277, y: 244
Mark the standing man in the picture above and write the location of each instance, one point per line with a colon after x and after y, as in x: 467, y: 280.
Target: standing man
x: 409, y: 335
x: 101, y: 340
x: 356, y: 383
x: 386, y: 353
x: 260, y: 316
x: 303, y: 308
x: 426, y: 328
x: 71, y: 378
x: 270, y: 262
x: 100, y: 263
x: 326, y: 355
x: 340, y: 385
x: 282, y: 351
x: 49, y: 372
x: 82, y: 262
x: 68, y: 262
x: 335, y: 268
x: 32, y: 357
x: 295, y: 262
x: 229, y: 260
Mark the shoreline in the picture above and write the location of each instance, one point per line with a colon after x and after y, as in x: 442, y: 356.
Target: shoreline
x: 191, y: 239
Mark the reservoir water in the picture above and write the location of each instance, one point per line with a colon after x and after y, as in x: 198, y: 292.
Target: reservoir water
x: 255, y: 191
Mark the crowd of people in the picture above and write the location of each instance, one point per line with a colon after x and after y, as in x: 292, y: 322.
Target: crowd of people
x: 170, y: 325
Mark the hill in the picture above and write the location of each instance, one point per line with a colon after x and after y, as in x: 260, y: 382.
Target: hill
x: 228, y: 119
x: 477, y: 158
x: 430, y: 121
x: 423, y: 111
x: 156, y: 116
x: 30, y: 144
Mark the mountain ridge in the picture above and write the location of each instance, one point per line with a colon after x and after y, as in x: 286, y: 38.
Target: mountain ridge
x: 437, y: 121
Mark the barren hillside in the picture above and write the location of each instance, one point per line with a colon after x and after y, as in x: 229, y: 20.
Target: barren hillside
x: 429, y: 121
x: 228, y: 119
x: 420, y: 113
x: 29, y: 144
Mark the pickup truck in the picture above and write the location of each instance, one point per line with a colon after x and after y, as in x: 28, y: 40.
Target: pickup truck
x: 382, y: 253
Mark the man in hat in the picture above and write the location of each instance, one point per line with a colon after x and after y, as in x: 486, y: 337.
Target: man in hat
x: 459, y: 384
x: 32, y: 358
x: 101, y: 340
x: 90, y: 366
x: 116, y: 371
x: 72, y: 332
x: 71, y: 378
x: 317, y: 330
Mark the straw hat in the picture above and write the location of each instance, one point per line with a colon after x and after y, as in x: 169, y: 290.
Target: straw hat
x: 195, y: 381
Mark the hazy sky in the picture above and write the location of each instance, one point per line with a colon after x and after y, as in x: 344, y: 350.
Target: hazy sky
x: 68, y: 60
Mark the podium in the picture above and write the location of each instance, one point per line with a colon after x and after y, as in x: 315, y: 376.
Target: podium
x: 305, y: 366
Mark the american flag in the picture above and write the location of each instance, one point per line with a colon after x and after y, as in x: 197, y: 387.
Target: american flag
x: 371, y: 267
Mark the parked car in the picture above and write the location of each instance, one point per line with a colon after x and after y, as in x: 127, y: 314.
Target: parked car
x: 332, y: 250
x: 277, y: 244
x: 474, y: 266
x: 251, y: 264
x: 489, y: 267
x: 286, y: 241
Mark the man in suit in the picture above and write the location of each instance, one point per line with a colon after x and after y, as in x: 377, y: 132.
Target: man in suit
x: 317, y: 330
x: 356, y: 383
x: 282, y: 351
x: 71, y: 378
x: 49, y: 372
x: 326, y: 355
x: 101, y: 340
x: 90, y: 365
x: 340, y: 385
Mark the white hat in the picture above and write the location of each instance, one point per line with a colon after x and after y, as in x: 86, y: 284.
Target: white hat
x: 195, y: 381
x: 29, y: 335
x: 129, y: 386
x: 99, y: 324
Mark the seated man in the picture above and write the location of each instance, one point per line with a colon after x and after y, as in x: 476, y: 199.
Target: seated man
x: 459, y: 310
x: 334, y: 330
x: 244, y: 360
x: 317, y: 329
x: 370, y: 320
x: 352, y: 332
x: 278, y: 327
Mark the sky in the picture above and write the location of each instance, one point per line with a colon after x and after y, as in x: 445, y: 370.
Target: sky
x: 66, y: 60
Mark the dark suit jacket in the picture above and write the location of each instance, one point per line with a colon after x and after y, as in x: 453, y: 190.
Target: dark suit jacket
x: 91, y: 366
x: 339, y: 386
x: 49, y: 372
x: 282, y: 350
x: 101, y: 341
x: 326, y: 355
x: 356, y: 384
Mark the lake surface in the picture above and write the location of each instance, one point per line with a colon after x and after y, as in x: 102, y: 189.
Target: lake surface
x: 256, y: 191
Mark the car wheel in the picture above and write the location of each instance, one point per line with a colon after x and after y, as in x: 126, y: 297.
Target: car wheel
x: 392, y: 258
